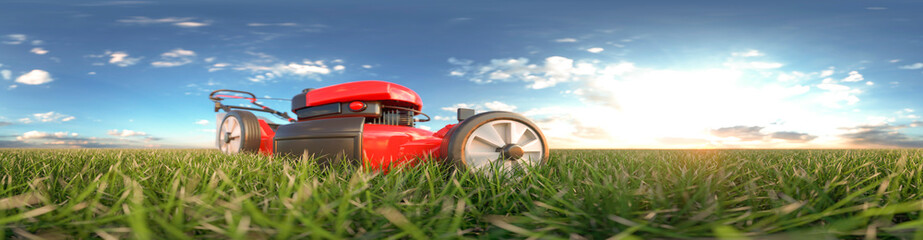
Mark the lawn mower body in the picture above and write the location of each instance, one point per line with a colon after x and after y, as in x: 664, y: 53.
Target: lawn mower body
x: 369, y: 121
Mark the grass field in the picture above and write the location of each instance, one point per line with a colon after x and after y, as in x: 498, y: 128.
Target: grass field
x: 594, y: 194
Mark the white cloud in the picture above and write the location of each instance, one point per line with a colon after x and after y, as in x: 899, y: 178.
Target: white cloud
x: 6, y: 74
x: 625, y: 105
x: 121, y: 59
x: 307, y: 68
x: 37, y: 42
x: 176, y: 21
x: 209, y: 59
x: 555, y: 70
x: 499, y: 106
x: 48, y: 117
x: 125, y: 133
x: 894, y: 60
x: 179, y: 52
x: 443, y: 118
x: 367, y: 66
x: 32, y: 135
x: 754, y: 65
x: 562, y: 40
x: 35, y: 77
x: 748, y: 53
x: 837, y: 93
x: 218, y: 67
x: 39, y: 51
x: 854, y: 76
x: 175, y: 57
x: 912, y: 66
x: 285, y: 24
x: 14, y: 39
x: 339, y: 68
x: 595, y: 50
x: 486, y: 106
x: 25, y: 120
x: 11, y: 87
x: 192, y: 24
x: 827, y: 73
x: 202, y: 122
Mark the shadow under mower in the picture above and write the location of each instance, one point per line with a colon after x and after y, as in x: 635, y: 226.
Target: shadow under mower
x: 373, y: 122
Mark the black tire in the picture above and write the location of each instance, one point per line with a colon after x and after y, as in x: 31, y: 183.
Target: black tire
x: 249, y: 133
x: 454, y: 148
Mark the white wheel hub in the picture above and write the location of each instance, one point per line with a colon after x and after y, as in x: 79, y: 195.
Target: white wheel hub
x: 504, y: 144
x: 229, y: 135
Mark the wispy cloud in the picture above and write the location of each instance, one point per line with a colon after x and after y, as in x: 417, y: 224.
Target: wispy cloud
x: 264, y: 68
x: 481, y: 107
x: 754, y: 65
x: 118, y: 58
x: 114, y: 3
x: 554, y: 70
x: 126, y: 133
x: 748, y: 53
x: 48, y: 117
x: 191, y: 24
x: 14, y: 39
x: 883, y: 135
x: 6, y: 74
x: 284, y: 24
x: 914, y: 66
x: 837, y: 93
x: 176, y: 21
x: 39, y: 51
x: 175, y: 57
x: 854, y: 76
x: 754, y: 133
x: 565, y: 40
x: 66, y: 139
x: 595, y: 50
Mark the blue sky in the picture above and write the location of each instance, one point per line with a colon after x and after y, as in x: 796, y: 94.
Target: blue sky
x: 591, y: 74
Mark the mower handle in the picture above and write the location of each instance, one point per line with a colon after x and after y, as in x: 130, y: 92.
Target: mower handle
x: 227, y: 108
x: 212, y: 95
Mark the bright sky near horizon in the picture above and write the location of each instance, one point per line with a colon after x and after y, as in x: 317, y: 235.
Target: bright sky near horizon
x: 591, y: 74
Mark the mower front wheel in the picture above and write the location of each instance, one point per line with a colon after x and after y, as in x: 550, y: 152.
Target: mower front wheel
x: 502, y: 140
x: 239, y: 132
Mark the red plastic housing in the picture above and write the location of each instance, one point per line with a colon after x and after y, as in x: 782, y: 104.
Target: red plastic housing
x: 363, y: 91
x: 266, y: 135
x: 383, y: 146
x: 388, y: 146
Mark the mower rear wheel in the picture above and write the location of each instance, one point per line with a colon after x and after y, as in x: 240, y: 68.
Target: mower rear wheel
x: 492, y: 140
x: 239, y: 132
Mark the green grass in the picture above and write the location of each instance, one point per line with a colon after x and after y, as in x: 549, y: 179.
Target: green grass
x: 596, y: 194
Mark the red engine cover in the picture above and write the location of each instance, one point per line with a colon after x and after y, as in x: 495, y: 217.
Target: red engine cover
x: 363, y: 91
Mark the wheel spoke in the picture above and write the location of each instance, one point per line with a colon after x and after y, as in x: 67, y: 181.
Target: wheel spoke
x: 233, y: 127
x: 532, y: 158
x: 532, y: 146
x: 503, y: 130
x: 517, y: 130
x: 488, y: 135
x: 527, y: 137
x: 234, y: 146
x: 477, y: 160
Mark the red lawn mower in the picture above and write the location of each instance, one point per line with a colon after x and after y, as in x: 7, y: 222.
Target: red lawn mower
x: 374, y: 122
